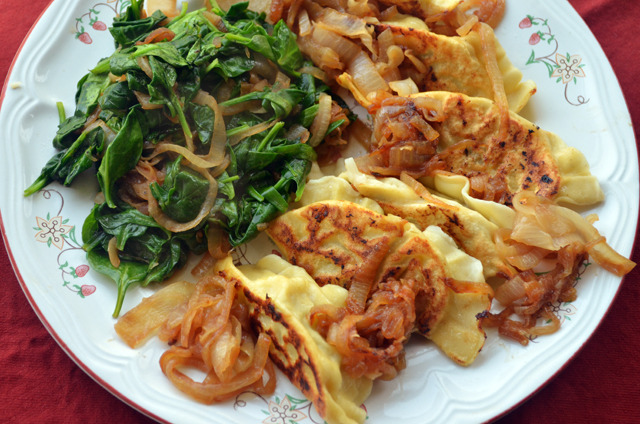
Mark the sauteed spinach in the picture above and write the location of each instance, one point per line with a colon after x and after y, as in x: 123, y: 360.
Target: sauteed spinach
x: 124, y: 108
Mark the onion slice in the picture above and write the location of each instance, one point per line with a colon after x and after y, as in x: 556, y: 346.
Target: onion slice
x: 321, y: 121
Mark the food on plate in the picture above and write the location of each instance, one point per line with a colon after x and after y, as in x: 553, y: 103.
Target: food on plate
x: 200, y: 128
x: 345, y: 244
x: 391, y: 52
x: 207, y: 325
x: 538, y: 231
x: 212, y: 330
x: 208, y: 127
x: 472, y: 231
x: 450, y: 12
x: 471, y: 139
x: 454, y: 64
x: 280, y: 298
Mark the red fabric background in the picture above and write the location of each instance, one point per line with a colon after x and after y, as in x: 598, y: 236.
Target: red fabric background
x: 40, y: 384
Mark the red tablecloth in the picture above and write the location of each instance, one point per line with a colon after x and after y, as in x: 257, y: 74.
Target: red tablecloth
x: 40, y: 384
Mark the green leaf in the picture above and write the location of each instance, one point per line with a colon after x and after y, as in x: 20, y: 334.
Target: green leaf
x: 129, y: 28
x: 165, y: 51
x: 532, y: 58
x: 90, y: 87
x: 203, y: 120
x: 550, y: 68
x: 121, y: 156
x: 286, y: 48
x: 127, y: 274
x: 183, y: 192
x: 67, y: 164
x: 117, y: 97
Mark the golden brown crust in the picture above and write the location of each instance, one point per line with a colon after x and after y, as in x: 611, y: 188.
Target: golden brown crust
x: 336, y: 238
x: 287, y: 350
x: 450, y: 65
x: 472, y: 237
x: 339, y: 236
x: 469, y: 146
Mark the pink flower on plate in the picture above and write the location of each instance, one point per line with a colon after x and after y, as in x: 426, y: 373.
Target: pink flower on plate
x: 283, y: 413
x: 52, y: 231
x: 568, y: 67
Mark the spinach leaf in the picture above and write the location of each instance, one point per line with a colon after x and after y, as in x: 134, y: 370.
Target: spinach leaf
x: 122, y: 62
x: 89, y: 90
x: 129, y: 28
x: 121, y: 156
x: 182, y: 193
x: 279, y: 103
x: 286, y: 49
x: 266, y: 170
x: 189, y: 83
x: 269, y: 168
x: 147, y: 252
x: 239, y: 11
x: 125, y: 275
x: 66, y: 134
x: 203, y: 119
x: 68, y: 163
x: 165, y: 51
x: 117, y: 97
x: 161, y: 90
x: 137, y: 80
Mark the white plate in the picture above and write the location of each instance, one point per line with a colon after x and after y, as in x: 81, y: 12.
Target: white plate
x: 43, y: 231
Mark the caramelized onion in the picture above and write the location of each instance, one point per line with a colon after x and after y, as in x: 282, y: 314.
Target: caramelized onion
x: 217, y: 242
x: 143, y: 63
x: 112, y: 250
x: 211, y: 333
x: 304, y: 23
x: 158, y: 35
x: 542, y: 224
x: 422, y: 191
x: 372, y: 344
x: 404, y: 88
x: 321, y: 121
x: 212, y: 389
x: 143, y: 321
x: 145, y: 101
x: 467, y: 26
x: 216, y: 20
x: 488, y: 44
x: 249, y: 131
x: 365, y: 277
x: 344, y: 24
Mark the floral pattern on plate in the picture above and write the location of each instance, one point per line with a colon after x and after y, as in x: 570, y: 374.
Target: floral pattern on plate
x: 54, y: 231
x: 91, y: 20
x: 565, y: 68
